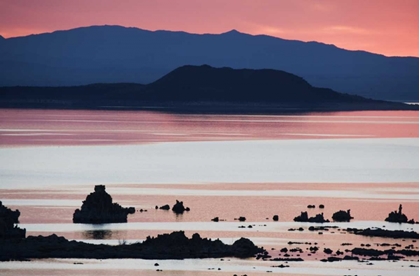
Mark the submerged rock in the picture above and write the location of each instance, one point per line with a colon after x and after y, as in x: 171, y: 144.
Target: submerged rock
x: 8, y: 219
x: 342, y: 216
x: 99, y: 208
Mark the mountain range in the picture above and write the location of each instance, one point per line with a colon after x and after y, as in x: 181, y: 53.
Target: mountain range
x: 200, y: 89
x: 115, y: 54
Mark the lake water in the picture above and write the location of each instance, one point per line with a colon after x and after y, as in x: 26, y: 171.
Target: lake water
x: 219, y: 165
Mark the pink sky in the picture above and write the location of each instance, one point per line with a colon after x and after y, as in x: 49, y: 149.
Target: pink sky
x: 389, y: 27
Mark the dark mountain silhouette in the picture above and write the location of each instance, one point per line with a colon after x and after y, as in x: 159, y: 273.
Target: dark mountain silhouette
x: 206, y: 83
x: 118, y: 54
x: 198, y: 89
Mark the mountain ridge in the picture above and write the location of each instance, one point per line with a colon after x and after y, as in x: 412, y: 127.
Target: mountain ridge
x: 118, y: 54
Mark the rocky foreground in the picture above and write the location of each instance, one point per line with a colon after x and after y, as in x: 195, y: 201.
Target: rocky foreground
x: 167, y: 246
x: 99, y: 208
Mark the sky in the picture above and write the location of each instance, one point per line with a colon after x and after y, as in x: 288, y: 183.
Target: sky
x: 388, y: 27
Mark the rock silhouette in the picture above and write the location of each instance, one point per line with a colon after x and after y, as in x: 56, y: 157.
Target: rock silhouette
x: 8, y: 229
x: 179, y: 208
x: 304, y: 218
x: 166, y: 246
x: 99, y: 208
x: 399, y: 217
x: 342, y: 216
x: 165, y: 207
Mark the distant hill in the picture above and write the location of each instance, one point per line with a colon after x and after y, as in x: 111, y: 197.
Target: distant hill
x: 208, y: 84
x: 198, y: 89
x: 112, y: 54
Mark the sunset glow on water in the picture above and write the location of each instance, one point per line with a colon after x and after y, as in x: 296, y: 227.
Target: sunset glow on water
x: 225, y: 166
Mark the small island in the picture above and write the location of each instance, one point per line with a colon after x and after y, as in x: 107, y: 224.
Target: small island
x: 99, y: 208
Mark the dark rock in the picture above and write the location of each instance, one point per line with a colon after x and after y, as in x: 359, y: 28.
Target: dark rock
x: 331, y: 259
x: 377, y: 232
x: 297, y: 249
x: 281, y: 266
x: 313, y: 249
x: 167, y: 246
x: 399, y: 217
x: 242, y: 219
x: 350, y: 258
x: 216, y: 219
x: 179, y: 208
x: 376, y: 253
x: 342, y: 216
x: 99, y: 208
x: 287, y: 259
x: 311, y: 206
x: 8, y: 229
x: 284, y: 250
x: 321, y: 206
x: 165, y: 207
x: 276, y: 218
x: 327, y: 251
x: 304, y: 218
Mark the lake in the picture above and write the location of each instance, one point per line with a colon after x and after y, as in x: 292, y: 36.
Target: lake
x: 218, y: 165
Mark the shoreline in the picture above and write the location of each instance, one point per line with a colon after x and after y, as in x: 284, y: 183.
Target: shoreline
x: 221, y: 108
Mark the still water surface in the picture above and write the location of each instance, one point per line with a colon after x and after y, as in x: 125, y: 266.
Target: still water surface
x: 225, y: 166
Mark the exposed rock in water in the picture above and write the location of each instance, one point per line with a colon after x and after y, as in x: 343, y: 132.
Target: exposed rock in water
x: 342, y: 216
x: 179, y: 207
x: 375, y: 252
x: 399, y: 217
x: 276, y: 218
x: 216, y: 219
x: 165, y: 207
x: 304, y: 218
x: 99, y: 208
x: 167, y: 246
x: 384, y: 233
x: 287, y: 259
x: 8, y: 229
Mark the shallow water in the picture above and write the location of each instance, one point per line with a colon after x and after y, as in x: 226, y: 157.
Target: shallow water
x: 225, y: 166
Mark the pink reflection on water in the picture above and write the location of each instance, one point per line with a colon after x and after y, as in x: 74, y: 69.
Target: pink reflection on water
x: 205, y: 207
x: 70, y: 127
